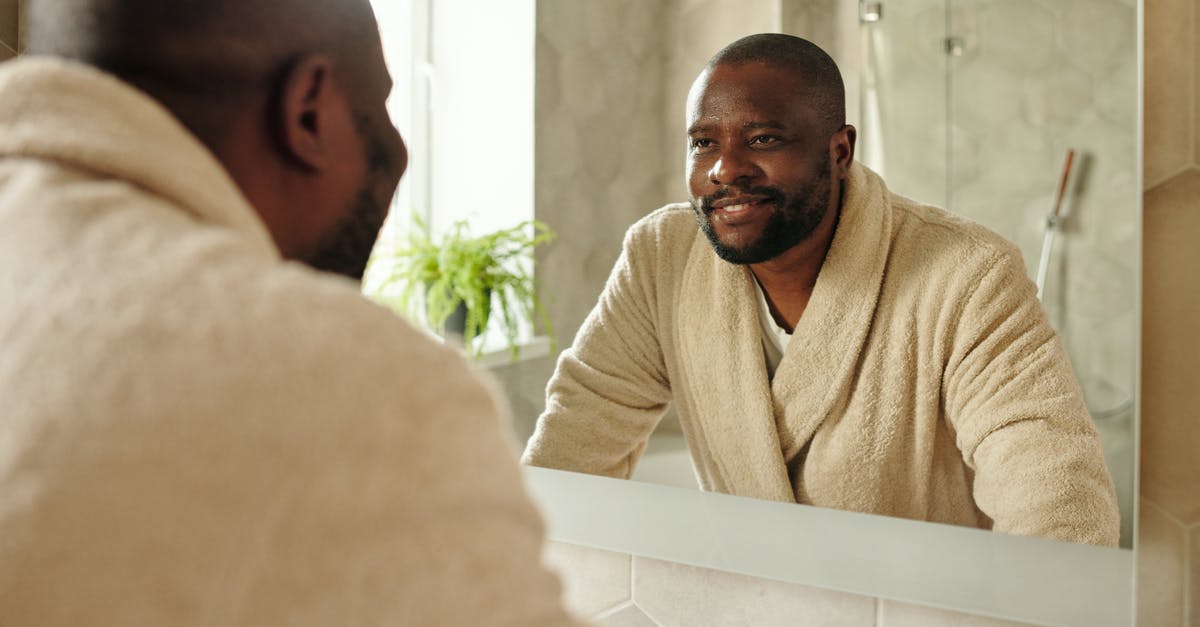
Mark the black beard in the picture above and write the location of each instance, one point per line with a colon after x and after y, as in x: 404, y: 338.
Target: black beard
x: 348, y: 247
x: 791, y: 223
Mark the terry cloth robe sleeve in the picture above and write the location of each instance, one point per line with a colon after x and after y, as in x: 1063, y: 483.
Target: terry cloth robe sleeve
x: 610, y: 389
x: 1021, y: 424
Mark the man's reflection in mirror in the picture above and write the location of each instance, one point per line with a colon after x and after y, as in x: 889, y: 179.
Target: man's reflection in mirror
x: 823, y: 340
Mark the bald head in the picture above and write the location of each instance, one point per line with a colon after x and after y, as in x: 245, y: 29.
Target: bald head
x: 824, y: 91
x: 289, y: 95
x: 203, y: 59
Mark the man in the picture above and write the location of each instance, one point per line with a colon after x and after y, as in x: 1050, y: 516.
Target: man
x: 823, y: 340
x: 201, y: 424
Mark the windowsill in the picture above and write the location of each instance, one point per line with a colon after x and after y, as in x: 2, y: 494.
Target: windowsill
x: 528, y: 349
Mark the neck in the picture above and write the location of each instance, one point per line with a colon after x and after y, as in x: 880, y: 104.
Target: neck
x: 788, y: 280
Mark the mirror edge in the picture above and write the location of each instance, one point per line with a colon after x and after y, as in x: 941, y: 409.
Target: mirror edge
x: 957, y: 568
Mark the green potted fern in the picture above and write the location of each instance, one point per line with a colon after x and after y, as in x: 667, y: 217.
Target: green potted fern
x: 457, y: 282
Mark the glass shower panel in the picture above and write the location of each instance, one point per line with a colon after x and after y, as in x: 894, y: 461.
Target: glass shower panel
x: 975, y: 105
x: 904, y: 120
x: 1029, y: 83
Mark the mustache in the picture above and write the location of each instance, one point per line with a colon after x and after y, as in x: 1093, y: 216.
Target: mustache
x: 771, y: 194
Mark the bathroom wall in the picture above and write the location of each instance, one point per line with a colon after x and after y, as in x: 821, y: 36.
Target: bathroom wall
x: 1169, y: 523
x: 9, y: 30
x: 597, y: 149
x: 598, y: 159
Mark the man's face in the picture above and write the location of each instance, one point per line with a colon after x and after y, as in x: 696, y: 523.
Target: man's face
x: 377, y: 168
x: 758, y: 163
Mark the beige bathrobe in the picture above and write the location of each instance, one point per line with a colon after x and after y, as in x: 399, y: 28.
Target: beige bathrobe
x: 922, y: 381
x: 194, y: 432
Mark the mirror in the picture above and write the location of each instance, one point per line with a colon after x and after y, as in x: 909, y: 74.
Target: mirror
x: 969, y: 105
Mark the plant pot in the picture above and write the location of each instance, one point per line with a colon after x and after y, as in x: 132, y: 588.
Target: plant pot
x: 455, y: 326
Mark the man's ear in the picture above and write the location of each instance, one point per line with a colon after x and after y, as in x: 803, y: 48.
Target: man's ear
x: 841, y: 150
x: 303, y: 111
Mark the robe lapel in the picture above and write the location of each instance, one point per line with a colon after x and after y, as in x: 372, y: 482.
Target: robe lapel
x: 817, y: 369
x: 728, y: 392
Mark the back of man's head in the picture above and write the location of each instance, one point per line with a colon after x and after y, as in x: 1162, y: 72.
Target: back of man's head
x: 201, y: 58
x: 825, y: 91
x: 289, y: 95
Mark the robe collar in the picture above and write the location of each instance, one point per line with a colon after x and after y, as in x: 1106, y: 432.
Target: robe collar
x: 73, y: 114
x: 753, y: 427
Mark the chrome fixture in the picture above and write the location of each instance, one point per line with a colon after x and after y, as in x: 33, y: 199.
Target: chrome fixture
x: 870, y: 11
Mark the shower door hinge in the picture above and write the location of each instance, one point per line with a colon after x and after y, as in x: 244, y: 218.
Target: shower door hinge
x: 954, y: 46
x: 870, y: 11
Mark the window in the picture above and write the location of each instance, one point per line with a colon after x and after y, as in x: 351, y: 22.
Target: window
x: 463, y: 100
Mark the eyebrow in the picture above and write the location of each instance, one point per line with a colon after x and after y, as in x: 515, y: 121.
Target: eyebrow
x: 698, y: 128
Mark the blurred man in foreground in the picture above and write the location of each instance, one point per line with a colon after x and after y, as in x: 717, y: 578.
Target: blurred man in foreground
x: 201, y: 424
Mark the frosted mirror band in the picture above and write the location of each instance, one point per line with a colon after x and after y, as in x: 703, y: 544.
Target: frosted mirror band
x: 991, y: 574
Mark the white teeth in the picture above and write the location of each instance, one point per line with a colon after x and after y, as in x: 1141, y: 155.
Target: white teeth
x: 735, y: 208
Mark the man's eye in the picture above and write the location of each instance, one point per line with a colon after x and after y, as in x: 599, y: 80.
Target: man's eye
x: 700, y: 142
x: 764, y: 140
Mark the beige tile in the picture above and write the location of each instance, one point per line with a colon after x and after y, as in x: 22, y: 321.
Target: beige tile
x: 1171, y: 304
x: 588, y: 186
x: 895, y: 614
x: 984, y: 95
x: 593, y: 580
x: 1056, y: 96
x: 1117, y: 92
x: 815, y: 20
x: 1167, y: 92
x: 1033, y: 50
x: 1160, y: 563
x: 1097, y: 36
x: 675, y: 595
x: 628, y: 615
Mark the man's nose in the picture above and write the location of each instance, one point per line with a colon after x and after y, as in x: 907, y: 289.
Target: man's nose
x: 733, y: 165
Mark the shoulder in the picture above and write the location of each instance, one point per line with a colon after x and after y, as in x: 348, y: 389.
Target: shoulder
x: 337, y: 336
x: 951, y: 268
x: 276, y: 338
x: 944, y: 243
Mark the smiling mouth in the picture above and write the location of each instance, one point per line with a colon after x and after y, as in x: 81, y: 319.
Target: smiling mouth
x: 736, y: 210
x: 740, y: 207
